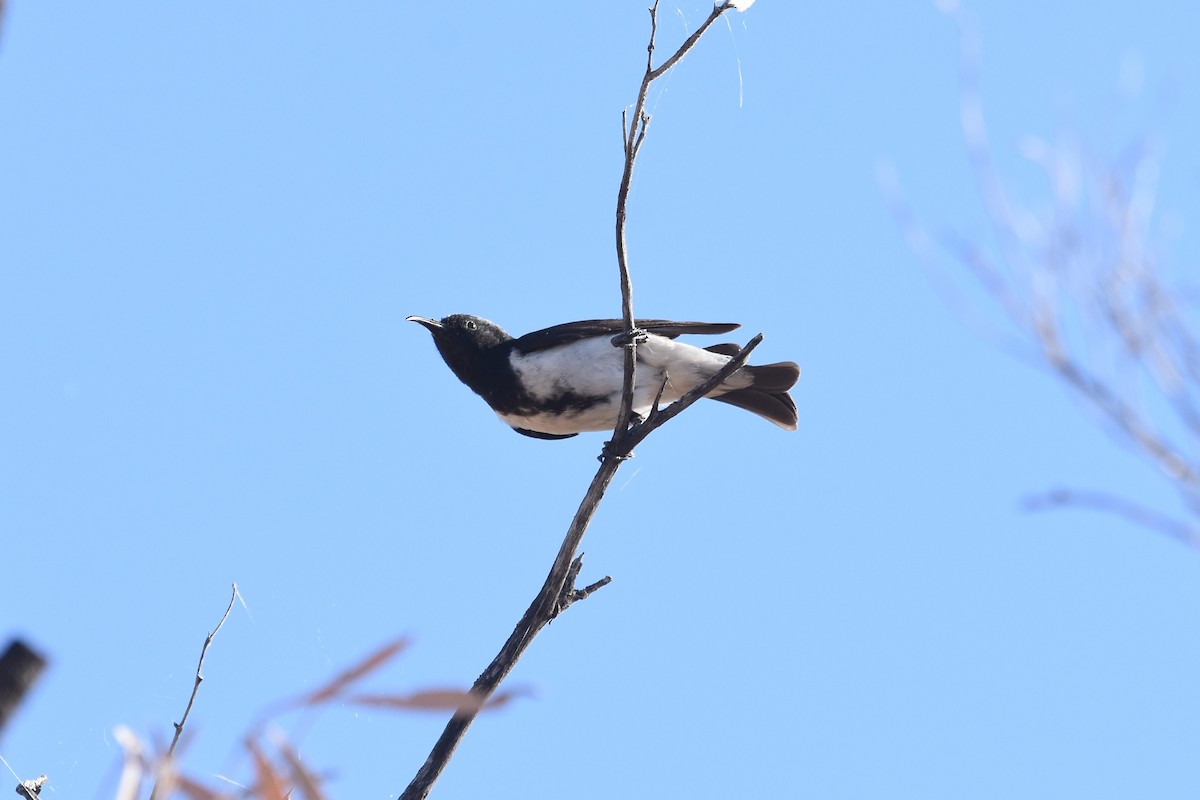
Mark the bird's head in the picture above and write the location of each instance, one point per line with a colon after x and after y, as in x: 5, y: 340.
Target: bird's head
x: 464, y: 342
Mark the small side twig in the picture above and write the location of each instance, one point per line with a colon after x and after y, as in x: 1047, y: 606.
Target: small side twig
x: 662, y: 387
x: 195, y: 686
x: 582, y: 594
x: 572, y: 595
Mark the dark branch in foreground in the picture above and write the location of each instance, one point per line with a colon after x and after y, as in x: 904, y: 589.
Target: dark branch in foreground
x: 559, y: 591
x: 20, y: 667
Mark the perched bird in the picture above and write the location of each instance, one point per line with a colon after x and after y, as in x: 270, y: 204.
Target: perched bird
x: 557, y: 382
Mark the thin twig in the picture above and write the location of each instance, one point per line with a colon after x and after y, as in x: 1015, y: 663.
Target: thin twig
x: 716, y: 13
x: 558, y: 590
x: 581, y: 594
x: 634, y: 133
x: 662, y: 387
x: 195, y: 686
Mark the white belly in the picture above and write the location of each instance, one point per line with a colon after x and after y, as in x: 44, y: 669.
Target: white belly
x: 589, y: 375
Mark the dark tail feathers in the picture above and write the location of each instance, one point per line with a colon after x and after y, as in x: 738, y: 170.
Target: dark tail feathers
x: 768, y: 397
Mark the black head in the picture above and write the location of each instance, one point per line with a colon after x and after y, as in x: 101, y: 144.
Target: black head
x: 469, y: 345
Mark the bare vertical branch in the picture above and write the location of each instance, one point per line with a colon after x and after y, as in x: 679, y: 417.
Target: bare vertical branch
x: 634, y: 133
x: 558, y: 591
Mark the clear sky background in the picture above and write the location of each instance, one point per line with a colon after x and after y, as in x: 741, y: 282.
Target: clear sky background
x: 213, y: 221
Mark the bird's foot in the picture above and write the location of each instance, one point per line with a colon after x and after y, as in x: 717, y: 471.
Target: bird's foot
x: 626, y: 338
x: 610, y: 452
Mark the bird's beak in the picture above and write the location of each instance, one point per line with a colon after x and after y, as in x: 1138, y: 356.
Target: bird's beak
x: 431, y: 324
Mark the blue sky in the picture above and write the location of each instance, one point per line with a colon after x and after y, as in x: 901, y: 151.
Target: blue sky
x: 214, y: 221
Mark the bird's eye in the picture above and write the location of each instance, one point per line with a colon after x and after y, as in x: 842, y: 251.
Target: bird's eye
x: 471, y: 325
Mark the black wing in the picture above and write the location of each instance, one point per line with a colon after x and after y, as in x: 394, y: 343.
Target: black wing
x: 586, y: 329
x: 540, y: 435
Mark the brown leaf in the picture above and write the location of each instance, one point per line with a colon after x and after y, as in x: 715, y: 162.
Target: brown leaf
x: 436, y: 700
x: 195, y: 789
x: 309, y: 784
x: 357, y: 672
x: 270, y: 783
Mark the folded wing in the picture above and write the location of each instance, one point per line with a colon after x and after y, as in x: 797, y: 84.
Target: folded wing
x: 586, y: 329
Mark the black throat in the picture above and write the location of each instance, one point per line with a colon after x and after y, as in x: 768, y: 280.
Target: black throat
x: 488, y: 373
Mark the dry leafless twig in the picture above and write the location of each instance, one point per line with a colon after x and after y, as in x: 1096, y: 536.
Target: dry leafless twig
x: 154, y: 793
x: 276, y: 764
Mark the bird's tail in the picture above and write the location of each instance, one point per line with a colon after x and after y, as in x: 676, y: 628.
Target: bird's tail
x: 768, y: 396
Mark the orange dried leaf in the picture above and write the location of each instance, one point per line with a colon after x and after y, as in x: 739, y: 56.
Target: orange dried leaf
x: 309, y: 784
x: 435, y: 700
x: 504, y: 698
x: 270, y: 783
x: 195, y: 789
x: 427, y: 700
x: 357, y: 672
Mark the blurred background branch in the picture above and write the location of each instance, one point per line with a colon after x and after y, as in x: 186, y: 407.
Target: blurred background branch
x: 1083, y: 289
